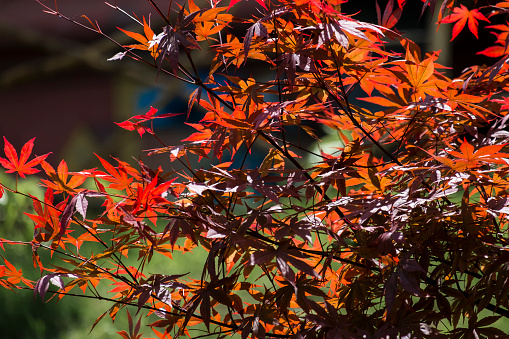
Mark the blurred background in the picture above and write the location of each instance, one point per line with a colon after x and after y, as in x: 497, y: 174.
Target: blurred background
x: 57, y: 85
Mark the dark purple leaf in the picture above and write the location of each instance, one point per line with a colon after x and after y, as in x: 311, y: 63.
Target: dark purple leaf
x: 67, y: 215
x: 130, y: 322
x: 411, y: 266
x: 205, y: 309
x: 42, y: 285
x: 187, y: 20
x: 285, y: 269
x: 409, y: 282
x: 378, y: 13
x: 493, y: 71
x: 390, y: 290
x: 432, y: 4
x: 78, y: 203
x: 169, y: 48
x: 261, y: 257
x: 258, y: 329
x: 302, y: 266
x: 143, y: 298
x: 257, y: 29
x: 220, y: 296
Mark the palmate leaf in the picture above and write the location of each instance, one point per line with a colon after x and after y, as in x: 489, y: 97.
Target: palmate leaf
x: 468, y: 157
x: 485, y: 154
x: 11, y: 276
x: 147, y: 42
x: 47, y: 217
x: 58, y: 179
x: 419, y: 74
x: 120, y: 177
x: 135, y: 123
x: 462, y: 16
x: 173, y: 37
x: 284, y: 258
x: 20, y: 165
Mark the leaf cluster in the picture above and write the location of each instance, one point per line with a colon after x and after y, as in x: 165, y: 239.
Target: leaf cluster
x: 399, y: 232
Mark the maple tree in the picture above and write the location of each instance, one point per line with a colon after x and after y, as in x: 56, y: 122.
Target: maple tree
x: 399, y: 231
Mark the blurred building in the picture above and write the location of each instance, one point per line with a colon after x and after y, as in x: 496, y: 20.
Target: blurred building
x: 57, y: 85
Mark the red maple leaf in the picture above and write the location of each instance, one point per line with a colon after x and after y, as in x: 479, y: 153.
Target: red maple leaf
x: 20, y: 165
x: 501, y: 46
x: 462, y: 15
x: 134, y: 123
x: 493, y: 51
x: 233, y: 2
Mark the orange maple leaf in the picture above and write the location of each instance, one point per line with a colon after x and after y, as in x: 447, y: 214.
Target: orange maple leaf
x: 20, y: 165
x: 470, y: 158
x: 58, y: 179
x: 119, y: 177
x: 461, y: 15
x: 145, y: 41
x: 488, y: 153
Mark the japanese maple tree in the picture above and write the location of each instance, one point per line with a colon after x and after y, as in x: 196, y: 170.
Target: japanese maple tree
x: 398, y: 231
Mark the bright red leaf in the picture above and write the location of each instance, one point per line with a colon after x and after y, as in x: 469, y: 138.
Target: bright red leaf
x: 500, y: 48
x: 233, y: 2
x: 134, y: 123
x: 461, y: 16
x: 20, y: 165
x: 493, y: 51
